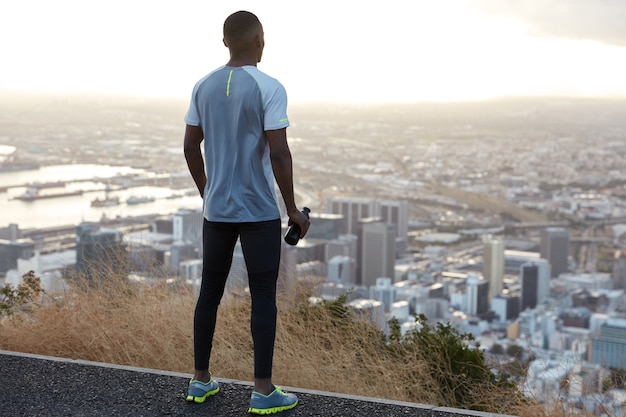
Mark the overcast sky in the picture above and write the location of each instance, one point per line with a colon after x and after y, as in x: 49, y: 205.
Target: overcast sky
x: 340, y: 50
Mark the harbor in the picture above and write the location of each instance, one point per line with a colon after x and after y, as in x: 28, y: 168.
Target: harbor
x: 74, y: 193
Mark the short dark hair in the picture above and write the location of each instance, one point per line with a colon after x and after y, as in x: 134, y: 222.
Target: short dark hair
x: 240, y: 27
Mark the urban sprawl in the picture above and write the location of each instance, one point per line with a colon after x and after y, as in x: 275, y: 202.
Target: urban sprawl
x: 506, y: 219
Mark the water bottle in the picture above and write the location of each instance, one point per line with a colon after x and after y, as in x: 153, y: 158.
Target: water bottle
x: 293, y: 234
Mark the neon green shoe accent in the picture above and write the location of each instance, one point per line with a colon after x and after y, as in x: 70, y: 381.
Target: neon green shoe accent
x: 274, y: 410
x: 199, y: 399
x: 260, y: 398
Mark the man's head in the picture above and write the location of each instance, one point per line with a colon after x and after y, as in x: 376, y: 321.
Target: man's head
x: 243, y: 33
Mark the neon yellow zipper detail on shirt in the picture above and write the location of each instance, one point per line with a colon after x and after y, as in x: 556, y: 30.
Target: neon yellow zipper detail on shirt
x: 228, y: 85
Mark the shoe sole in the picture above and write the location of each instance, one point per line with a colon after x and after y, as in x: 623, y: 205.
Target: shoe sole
x: 273, y: 410
x: 200, y: 400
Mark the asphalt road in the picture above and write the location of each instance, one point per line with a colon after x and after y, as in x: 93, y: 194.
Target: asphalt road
x: 32, y: 385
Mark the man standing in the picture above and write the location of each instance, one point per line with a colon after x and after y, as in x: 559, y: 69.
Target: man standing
x: 241, y: 115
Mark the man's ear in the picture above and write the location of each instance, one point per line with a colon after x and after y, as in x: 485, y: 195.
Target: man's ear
x: 225, y: 43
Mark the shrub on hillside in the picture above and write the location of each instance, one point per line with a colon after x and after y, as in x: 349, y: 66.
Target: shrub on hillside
x: 12, y: 299
x: 458, y: 366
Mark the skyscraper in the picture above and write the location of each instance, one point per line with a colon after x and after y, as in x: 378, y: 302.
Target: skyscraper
x: 325, y: 226
x: 12, y: 250
x: 477, y: 295
x: 396, y: 213
x: 353, y: 209
x: 344, y: 245
x: 99, y: 250
x: 535, y: 283
x: 506, y: 307
x: 555, y: 248
x: 609, y: 349
x: 493, y: 265
x: 187, y: 226
x: 384, y: 292
x: 619, y: 271
x: 378, y: 252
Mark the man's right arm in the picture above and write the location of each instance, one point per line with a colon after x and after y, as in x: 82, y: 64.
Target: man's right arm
x: 193, y: 154
x: 280, y: 155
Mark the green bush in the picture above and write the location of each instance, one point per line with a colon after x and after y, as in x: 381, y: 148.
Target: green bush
x: 456, y: 363
x: 514, y: 351
x: 26, y: 293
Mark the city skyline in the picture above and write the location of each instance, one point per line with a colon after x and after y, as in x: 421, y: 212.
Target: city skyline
x: 442, y: 175
x: 330, y: 51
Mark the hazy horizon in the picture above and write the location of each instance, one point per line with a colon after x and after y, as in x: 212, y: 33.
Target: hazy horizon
x: 388, y: 52
x: 7, y: 96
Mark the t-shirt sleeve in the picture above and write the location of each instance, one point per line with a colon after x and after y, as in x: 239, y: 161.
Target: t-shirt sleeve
x: 192, y: 117
x: 276, y: 108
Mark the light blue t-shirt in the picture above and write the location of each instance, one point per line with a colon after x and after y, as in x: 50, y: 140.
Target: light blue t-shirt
x: 234, y: 106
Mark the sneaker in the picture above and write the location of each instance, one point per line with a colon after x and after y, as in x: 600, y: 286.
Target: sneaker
x: 273, y: 403
x: 199, y: 391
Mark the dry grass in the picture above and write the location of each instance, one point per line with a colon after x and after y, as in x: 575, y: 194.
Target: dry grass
x: 151, y: 326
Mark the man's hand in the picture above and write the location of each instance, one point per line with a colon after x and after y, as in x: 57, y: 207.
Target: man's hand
x: 301, y: 220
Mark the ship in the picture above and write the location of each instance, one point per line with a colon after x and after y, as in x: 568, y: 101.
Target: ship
x: 105, y: 202
x: 139, y: 200
x: 40, y: 185
x: 18, y: 166
x: 32, y: 194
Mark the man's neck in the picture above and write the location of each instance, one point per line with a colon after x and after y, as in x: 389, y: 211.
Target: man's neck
x: 240, y: 60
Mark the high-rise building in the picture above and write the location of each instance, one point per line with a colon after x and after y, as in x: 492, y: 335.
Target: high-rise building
x: 238, y: 274
x: 493, y: 265
x: 341, y: 269
x: 191, y: 271
x: 400, y: 310
x: 12, y: 250
x: 11, y: 232
x: 619, y: 271
x: 554, y: 248
x: 396, y: 213
x: 477, y: 295
x: 310, y: 250
x: 506, y: 307
x: 359, y: 248
x: 344, y: 245
x: 609, y: 349
x: 99, y: 249
x: 370, y: 310
x: 535, y: 283
x: 384, y: 292
x: 288, y: 271
x: 187, y: 225
x: 529, y: 280
x: 326, y: 226
x: 378, y: 252
x: 179, y: 252
x: 353, y: 209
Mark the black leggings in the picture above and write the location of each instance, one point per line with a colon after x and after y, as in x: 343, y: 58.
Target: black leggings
x: 260, y: 242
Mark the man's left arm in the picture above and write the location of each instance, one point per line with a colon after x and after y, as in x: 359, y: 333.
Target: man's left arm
x: 280, y: 156
x: 193, y: 154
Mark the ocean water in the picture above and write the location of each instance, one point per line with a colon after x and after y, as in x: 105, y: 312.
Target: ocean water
x: 71, y: 210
